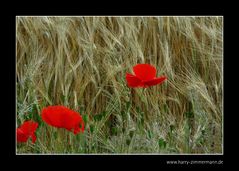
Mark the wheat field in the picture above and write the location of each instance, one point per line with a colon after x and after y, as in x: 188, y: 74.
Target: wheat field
x: 81, y: 62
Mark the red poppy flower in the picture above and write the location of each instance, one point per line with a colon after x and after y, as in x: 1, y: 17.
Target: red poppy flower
x: 26, y: 130
x: 62, y: 117
x: 145, y: 76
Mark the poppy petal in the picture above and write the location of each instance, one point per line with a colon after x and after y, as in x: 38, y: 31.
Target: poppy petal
x: 154, y: 81
x: 145, y: 71
x: 52, y: 115
x: 29, y: 127
x: 62, y: 117
x: 77, y: 129
x: 132, y: 80
x: 21, y: 137
x: 33, y: 138
x: 69, y: 118
x: 72, y: 121
x: 26, y: 130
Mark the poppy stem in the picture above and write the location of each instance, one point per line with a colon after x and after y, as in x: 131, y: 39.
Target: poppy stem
x: 143, y: 95
x: 60, y: 137
x: 69, y: 139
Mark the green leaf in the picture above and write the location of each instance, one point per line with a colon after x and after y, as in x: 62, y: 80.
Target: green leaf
x: 189, y: 114
x: 128, y: 141
x: 128, y: 105
x: 149, y: 134
x: 123, y: 113
x: 92, y: 128
x: 98, y: 117
x: 103, y: 113
x: 142, y: 121
x: 85, y: 118
x: 63, y: 98
x: 81, y: 110
x: 162, y: 143
x: 165, y: 107
x: 172, y: 127
x: 137, y: 109
x: 131, y: 133
x: 114, y: 130
x: 28, y: 116
x: 123, y: 129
